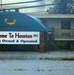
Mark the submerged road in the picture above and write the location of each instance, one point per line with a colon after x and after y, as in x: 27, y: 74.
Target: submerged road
x: 36, y: 67
x: 29, y: 63
x: 35, y: 55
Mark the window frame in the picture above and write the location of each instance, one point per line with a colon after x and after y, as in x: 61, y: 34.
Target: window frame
x: 65, y: 24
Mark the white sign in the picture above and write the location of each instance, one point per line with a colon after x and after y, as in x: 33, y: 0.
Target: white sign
x: 19, y: 37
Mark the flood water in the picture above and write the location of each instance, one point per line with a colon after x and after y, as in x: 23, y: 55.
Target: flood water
x: 36, y: 67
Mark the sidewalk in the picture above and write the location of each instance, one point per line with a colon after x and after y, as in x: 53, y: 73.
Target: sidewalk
x: 35, y: 55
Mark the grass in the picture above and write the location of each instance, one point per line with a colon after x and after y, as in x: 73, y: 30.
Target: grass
x: 69, y: 58
x: 39, y: 69
x: 21, y: 69
x: 17, y: 69
x: 58, y: 58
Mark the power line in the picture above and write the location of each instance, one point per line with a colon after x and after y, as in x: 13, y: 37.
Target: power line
x: 27, y: 7
x: 21, y: 2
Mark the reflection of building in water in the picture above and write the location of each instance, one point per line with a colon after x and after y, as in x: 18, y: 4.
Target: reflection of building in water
x: 26, y: 10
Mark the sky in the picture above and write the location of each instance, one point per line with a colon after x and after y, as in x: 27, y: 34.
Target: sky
x: 10, y: 1
x: 26, y: 4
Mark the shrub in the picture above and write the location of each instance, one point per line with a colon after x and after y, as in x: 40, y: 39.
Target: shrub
x: 60, y: 45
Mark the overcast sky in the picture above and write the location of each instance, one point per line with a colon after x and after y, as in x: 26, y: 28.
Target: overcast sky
x: 13, y: 1
x: 25, y: 4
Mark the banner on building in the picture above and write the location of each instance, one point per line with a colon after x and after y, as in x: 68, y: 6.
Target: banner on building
x: 8, y: 37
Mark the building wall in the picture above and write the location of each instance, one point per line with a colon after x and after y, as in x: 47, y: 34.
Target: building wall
x: 57, y: 23
x: 61, y: 34
x: 54, y: 20
x: 53, y: 23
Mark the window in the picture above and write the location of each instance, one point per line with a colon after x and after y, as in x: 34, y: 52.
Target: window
x: 65, y: 24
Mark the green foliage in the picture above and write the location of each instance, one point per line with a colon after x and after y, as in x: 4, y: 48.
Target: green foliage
x: 17, y: 69
x: 60, y: 45
x: 3, y: 47
x: 39, y: 69
x: 61, y: 7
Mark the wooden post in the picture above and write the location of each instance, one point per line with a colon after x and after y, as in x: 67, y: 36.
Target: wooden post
x: 41, y: 42
x: 42, y: 48
x: 51, y: 40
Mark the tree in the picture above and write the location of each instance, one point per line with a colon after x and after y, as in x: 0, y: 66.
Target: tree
x: 61, y: 7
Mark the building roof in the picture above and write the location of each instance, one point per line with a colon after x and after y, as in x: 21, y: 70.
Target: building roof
x: 15, y: 21
x: 53, y: 15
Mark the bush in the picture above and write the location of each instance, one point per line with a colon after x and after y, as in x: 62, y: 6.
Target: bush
x: 61, y: 45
